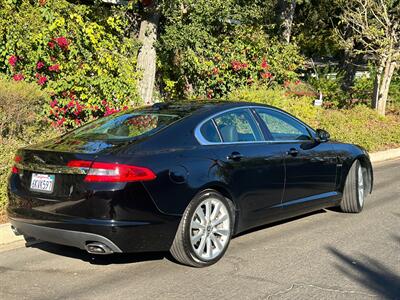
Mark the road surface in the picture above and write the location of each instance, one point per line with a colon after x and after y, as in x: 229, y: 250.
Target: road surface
x: 324, y: 255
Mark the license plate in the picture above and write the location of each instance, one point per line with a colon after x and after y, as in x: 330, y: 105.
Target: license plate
x: 42, y: 183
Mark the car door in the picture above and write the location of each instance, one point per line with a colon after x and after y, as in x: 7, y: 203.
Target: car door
x: 310, y: 166
x: 252, y: 169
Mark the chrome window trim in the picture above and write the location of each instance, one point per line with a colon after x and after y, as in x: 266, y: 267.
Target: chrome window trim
x: 202, y: 141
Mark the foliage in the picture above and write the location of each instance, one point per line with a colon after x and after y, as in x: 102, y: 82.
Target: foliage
x: 360, y: 125
x: 20, y: 104
x: 83, y: 56
x: 210, y: 48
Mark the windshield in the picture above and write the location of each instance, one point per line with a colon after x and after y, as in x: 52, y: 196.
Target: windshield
x: 125, y: 126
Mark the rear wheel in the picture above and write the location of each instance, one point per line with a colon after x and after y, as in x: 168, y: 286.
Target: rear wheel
x: 354, y: 190
x: 205, y: 230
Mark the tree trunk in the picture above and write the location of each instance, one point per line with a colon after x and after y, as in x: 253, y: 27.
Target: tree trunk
x: 286, y: 10
x: 383, y: 79
x: 147, y: 58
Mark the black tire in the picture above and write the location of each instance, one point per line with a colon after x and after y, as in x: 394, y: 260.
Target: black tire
x: 182, y: 249
x: 353, y: 200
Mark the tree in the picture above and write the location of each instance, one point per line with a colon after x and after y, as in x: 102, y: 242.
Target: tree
x: 147, y: 58
x: 374, y: 27
x: 286, y: 10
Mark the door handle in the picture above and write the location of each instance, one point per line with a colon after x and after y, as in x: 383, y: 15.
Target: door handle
x: 235, y: 156
x: 293, y: 152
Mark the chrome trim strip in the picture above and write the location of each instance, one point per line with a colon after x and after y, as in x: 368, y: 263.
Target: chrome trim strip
x: 52, y: 169
x: 202, y: 141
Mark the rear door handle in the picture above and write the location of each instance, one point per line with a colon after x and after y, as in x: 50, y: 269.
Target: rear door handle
x: 235, y: 156
x: 293, y: 152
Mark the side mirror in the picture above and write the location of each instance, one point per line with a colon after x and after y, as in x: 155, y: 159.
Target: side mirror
x: 323, y: 135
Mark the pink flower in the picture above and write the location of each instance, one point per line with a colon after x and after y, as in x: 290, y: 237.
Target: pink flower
x: 39, y: 65
x: 12, y: 60
x: 54, y: 68
x: 244, y: 66
x: 266, y: 75
x: 18, y: 77
x: 53, y: 103
x: 61, y: 122
x: 42, y: 80
x: 51, y: 45
x: 62, y: 42
x: 236, y: 65
x: 264, y: 64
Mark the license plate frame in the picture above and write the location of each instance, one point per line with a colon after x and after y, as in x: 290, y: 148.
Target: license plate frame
x: 42, y: 183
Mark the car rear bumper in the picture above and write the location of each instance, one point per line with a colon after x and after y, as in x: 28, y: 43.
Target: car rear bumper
x: 64, y: 237
x: 124, y: 221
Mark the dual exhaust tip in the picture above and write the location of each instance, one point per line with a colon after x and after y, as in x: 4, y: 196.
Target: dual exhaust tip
x: 91, y: 247
x: 98, y: 248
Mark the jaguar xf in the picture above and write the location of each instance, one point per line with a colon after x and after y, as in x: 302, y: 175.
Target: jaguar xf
x: 183, y: 177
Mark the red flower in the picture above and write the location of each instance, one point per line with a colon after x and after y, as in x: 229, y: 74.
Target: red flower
x: 12, y: 60
x: 42, y: 80
x: 54, y: 68
x: 51, y: 45
x: 61, y: 122
x: 236, y: 65
x: 70, y: 104
x: 244, y: 66
x: 53, y: 103
x: 18, y: 77
x: 264, y: 64
x: 62, y: 42
x: 104, y: 102
x: 297, y: 82
x: 39, y: 65
x: 266, y: 75
x: 215, y: 71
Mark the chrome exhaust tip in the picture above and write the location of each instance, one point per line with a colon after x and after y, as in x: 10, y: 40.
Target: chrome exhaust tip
x: 15, y: 231
x: 98, y: 248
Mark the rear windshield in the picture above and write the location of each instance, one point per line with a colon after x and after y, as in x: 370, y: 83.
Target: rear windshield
x: 125, y: 126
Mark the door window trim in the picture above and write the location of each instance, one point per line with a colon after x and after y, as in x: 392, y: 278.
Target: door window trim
x: 202, y: 141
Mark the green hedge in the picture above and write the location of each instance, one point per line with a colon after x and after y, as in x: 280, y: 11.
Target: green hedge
x: 360, y: 125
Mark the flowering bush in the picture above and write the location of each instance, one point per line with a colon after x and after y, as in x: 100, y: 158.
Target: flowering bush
x: 211, y: 48
x: 83, y: 56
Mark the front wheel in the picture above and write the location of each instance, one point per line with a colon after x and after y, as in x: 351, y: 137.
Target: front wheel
x: 354, y: 190
x: 205, y: 230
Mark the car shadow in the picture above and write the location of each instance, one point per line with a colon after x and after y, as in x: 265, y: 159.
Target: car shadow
x: 126, y: 258
x: 262, y: 227
x: 115, y: 258
x: 370, y: 273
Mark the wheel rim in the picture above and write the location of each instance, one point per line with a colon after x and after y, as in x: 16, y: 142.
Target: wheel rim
x: 360, y: 187
x: 210, y: 229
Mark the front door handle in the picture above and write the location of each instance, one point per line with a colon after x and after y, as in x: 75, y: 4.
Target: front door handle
x: 293, y: 152
x: 235, y: 156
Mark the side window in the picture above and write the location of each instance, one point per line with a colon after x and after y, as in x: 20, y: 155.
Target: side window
x: 238, y: 126
x: 209, y: 132
x: 283, y: 127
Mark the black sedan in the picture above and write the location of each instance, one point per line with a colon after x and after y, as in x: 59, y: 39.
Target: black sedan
x: 181, y: 177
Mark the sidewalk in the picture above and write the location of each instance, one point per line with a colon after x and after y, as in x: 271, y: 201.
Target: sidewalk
x: 9, y: 241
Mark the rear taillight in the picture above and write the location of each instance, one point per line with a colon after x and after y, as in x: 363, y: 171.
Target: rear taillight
x: 112, y: 172
x: 17, y: 159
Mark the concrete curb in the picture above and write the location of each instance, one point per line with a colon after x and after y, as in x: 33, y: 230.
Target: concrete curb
x: 8, y: 239
x: 7, y: 236
x: 385, y: 155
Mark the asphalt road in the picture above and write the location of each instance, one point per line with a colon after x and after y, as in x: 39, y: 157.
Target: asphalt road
x: 324, y: 255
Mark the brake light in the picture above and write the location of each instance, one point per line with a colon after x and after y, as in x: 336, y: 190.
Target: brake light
x: 113, y: 172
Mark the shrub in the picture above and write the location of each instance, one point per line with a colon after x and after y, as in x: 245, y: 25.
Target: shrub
x: 20, y: 105
x: 84, y: 56
x: 209, y: 49
x: 360, y: 125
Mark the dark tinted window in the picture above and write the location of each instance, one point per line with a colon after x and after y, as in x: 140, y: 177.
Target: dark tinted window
x: 209, y: 132
x: 282, y: 126
x: 238, y: 126
x: 125, y: 126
